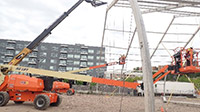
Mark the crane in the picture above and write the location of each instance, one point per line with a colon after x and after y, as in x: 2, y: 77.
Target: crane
x: 58, y: 86
x: 30, y: 93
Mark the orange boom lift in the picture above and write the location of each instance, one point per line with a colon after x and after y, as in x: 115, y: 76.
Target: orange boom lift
x: 57, y: 86
x: 20, y: 88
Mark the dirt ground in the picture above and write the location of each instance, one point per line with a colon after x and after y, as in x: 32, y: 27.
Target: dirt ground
x: 103, y: 103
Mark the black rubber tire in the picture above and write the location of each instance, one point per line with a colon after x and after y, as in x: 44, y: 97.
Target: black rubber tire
x: 69, y: 92
x: 41, y: 102
x: 58, y: 102
x: 19, y: 102
x: 4, y: 98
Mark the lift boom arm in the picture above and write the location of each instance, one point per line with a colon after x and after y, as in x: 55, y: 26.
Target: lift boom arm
x: 18, y: 58
x: 68, y: 75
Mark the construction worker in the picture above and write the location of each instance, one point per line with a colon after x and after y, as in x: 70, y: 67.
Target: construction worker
x: 122, y: 59
x: 177, y: 58
x: 188, y: 55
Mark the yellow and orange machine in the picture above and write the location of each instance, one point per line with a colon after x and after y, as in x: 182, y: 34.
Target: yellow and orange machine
x: 20, y: 88
x: 60, y: 87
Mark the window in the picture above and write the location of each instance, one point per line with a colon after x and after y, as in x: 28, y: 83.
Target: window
x: 43, y: 47
x: 102, y: 57
x: 102, y: 63
x: 76, y: 62
x: 69, y: 68
x: 43, y: 61
x: 52, y: 67
x: 33, y: 54
x: 63, y: 62
x: 36, y: 48
x: 54, y: 55
x: 32, y: 59
x: 63, y: 49
x: 63, y: 55
x: 42, y: 66
x: 70, y: 55
x: 97, y: 63
x: 84, y: 64
x: 90, y: 51
x: 11, y: 52
x: 10, y: 45
x: 90, y: 63
x: 75, y: 68
x: 17, y: 52
x: 84, y: 51
x: 77, y: 50
x: 91, y: 57
x: 32, y: 66
x: 61, y: 69
x: 84, y: 57
x: 3, y: 44
x: 2, y: 57
x: 9, y: 58
x: 25, y: 59
x: 70, y: 62
x: 54, y: 48
x: 77, y: 56
x: 53, y: 61
x: 44, y: 54
x: 71, y: 49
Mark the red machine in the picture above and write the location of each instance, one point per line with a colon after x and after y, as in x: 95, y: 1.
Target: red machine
x: 20, y: 88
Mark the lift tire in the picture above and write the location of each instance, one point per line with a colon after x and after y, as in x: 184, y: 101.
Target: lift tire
x: 69, y: 92
x: 41, y: 102
x: 4, y: 98
x: 58, y: 102
x: 19, y: 102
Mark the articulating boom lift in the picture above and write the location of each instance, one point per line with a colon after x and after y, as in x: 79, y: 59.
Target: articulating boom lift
x: 184, y: 61
x: 20, y: 88
x: 15, y: 86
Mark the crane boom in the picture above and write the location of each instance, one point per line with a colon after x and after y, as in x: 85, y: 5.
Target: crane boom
x: 18, y: 58
x: 68, y: 75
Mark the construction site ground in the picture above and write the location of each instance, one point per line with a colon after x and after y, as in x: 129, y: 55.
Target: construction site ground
x: 106, y: 103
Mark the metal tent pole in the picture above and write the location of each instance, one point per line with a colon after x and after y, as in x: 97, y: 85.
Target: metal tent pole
x: 145, y: 55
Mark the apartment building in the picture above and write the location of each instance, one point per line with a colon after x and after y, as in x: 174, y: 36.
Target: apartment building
x: 57, y: 57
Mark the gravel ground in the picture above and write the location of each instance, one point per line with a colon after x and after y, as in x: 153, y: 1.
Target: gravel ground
x: 103, y: 103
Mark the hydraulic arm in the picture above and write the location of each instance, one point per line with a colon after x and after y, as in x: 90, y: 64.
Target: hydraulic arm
x: 18, y: 58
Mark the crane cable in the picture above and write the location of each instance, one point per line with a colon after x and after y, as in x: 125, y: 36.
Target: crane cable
x: 192, y: 82
x: 123, y: 67
x: 172, y: 92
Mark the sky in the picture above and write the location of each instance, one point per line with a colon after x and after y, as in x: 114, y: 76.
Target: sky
x: 26, y: 19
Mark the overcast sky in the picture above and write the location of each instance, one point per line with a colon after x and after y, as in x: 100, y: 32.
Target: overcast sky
x: 26, y: 19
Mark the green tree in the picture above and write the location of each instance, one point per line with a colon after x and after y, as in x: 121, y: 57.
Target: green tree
x: 133, y: 79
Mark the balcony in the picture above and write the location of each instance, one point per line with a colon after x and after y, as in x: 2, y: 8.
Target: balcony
x: 62, y: 64
x: 10, y: 41
x: 10, y: 47
x: 6, y: 61
x: 32, y: 63
x: 83, y: 72
x: 63, y: 45
x: 62, y: 51
x: 84, y: 52
x: 84, y: 47
x: 62, y: 58
x: 83, y: 59
x: 83, y: 66
x: 9, y: 54
x: 33, y: 56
